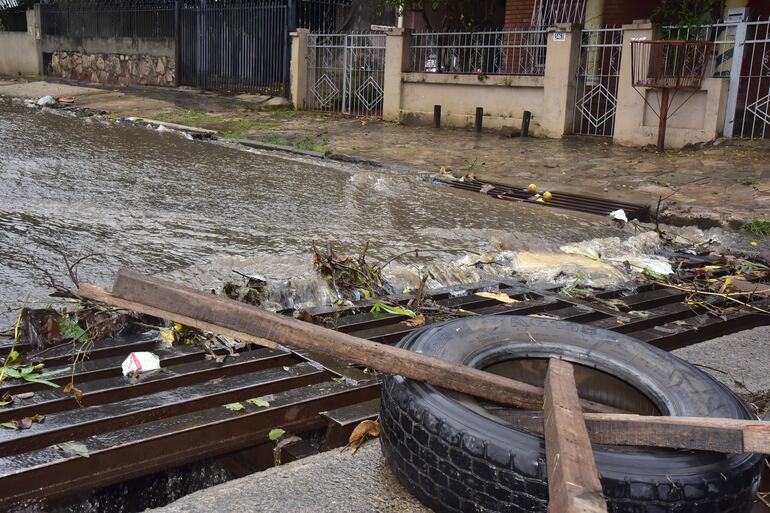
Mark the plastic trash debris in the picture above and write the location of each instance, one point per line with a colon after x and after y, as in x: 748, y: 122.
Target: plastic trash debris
x: 46, y: 100
x: 619, y: 215
x: 65, y: 99
x: 137, y: 363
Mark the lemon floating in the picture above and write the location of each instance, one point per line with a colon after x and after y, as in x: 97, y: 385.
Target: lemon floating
x: 532, y: 188
x: 547, y: 196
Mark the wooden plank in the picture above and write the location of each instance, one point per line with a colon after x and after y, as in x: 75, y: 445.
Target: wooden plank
x: 217, y: 313
x: 573, y: 480
x: 693, y: 433
x: 97, y: 294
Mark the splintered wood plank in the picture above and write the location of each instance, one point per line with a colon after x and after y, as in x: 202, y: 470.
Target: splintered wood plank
x: 220, y: 313
x: 573, y: 480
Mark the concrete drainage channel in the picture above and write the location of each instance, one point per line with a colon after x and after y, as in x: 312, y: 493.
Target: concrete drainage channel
x: 158, y: 430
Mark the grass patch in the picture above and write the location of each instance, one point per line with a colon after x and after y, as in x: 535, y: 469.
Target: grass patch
x: 230, y: 126
x: 190, y: 117
x: 312, y: 144
x: 759, y: 227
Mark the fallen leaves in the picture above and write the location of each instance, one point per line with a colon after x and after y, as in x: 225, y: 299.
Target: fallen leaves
x: 76, y: 392
x: 73, y: 449
x: 395, y: 310
x: 498, y: 296
x: 418, y: 320
x: 275, y: 434
x: 32, y: 374
x: 236, y: 407
x: 25, y: 423
x: 363, y: 431
x: 8, y: 399
x: 259, y: 402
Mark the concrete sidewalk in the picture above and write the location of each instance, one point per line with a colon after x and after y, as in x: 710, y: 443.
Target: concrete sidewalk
x: 723, y: 184
x: 331, y: 482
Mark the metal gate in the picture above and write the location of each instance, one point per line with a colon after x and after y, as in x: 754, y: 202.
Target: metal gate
x: 345, y: 73
x: 742, y: 53
x: 751, y: 105
x: 596, y: 90
x: 235, y: 47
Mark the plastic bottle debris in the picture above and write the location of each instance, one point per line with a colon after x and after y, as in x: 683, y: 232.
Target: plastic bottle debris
x: 137, y: 363
x: 619, y: 215
x: 46, y: 101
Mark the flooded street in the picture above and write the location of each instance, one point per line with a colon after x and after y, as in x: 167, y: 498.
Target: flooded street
x: 160, y: 203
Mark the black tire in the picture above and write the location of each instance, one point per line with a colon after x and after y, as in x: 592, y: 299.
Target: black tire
x: 454, y: 458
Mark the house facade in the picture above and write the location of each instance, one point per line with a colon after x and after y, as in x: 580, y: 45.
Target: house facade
x: 596, y: 13
x: 510, y: 14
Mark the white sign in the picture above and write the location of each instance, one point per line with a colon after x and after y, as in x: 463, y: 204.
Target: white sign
x: 559, y: 36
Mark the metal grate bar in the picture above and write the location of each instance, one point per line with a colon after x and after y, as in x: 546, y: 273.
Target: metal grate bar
x: 510, y: 52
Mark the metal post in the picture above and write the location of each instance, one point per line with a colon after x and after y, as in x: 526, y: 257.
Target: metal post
x: 525, y: 123
x: 663, y: 119
x: 345, y: 77
x: 177, y: 41
x: 735, y: 79
x: 479, y: 118
x: 437, y: 116
x: 291, y: 26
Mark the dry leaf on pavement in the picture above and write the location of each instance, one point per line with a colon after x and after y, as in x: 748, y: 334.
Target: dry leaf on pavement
x: 366, y: 429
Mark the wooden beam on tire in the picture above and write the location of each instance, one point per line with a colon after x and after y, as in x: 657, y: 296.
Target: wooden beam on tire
x: 218, y: 312
x: 573, y: 479
x: 693, y: 433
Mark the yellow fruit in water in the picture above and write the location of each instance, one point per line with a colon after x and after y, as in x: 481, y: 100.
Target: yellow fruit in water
x: 532, y: 188
x: 547, y: 196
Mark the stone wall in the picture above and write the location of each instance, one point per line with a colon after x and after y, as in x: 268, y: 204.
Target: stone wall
x: 114, y: 68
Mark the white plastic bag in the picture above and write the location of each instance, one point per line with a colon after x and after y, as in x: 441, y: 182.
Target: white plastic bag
x: 137, y: 363
x: 619, y: 215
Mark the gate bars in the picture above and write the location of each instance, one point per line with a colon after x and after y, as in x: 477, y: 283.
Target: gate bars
x: 346, y: 73
x: 742, y: 53
x: 752, y: 118
x: 235, y: 47
x: 596, y: 89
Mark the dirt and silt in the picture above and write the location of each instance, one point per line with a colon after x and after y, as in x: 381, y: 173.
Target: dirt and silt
x: 160, y: 203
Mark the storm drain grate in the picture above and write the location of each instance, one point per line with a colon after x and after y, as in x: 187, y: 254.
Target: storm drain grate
x: 135, y: 428
x: 565, y: 200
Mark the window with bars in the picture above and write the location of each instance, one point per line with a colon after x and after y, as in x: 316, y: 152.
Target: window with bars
x: 547, y: 13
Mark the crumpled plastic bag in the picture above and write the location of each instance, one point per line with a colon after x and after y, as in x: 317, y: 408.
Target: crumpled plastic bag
x: 619, y: 215
x: 136, y: 363
x: 46, y: 100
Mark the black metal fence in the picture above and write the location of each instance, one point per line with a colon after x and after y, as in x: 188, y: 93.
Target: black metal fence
x: 229, y: 45
x: 322, y: 16
x: 238, y: 47
x: 13, y: 20
x: 83, y: 20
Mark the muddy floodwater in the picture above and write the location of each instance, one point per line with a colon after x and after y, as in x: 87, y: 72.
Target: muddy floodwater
x: 160, y: 203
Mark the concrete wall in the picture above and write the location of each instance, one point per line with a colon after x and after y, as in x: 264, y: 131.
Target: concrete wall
x: 109, y: 45
x: 504, y: 99
x: 113, y: 60
x: 19, y: 53
x: 694, y: 116
x: 411, y: 97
